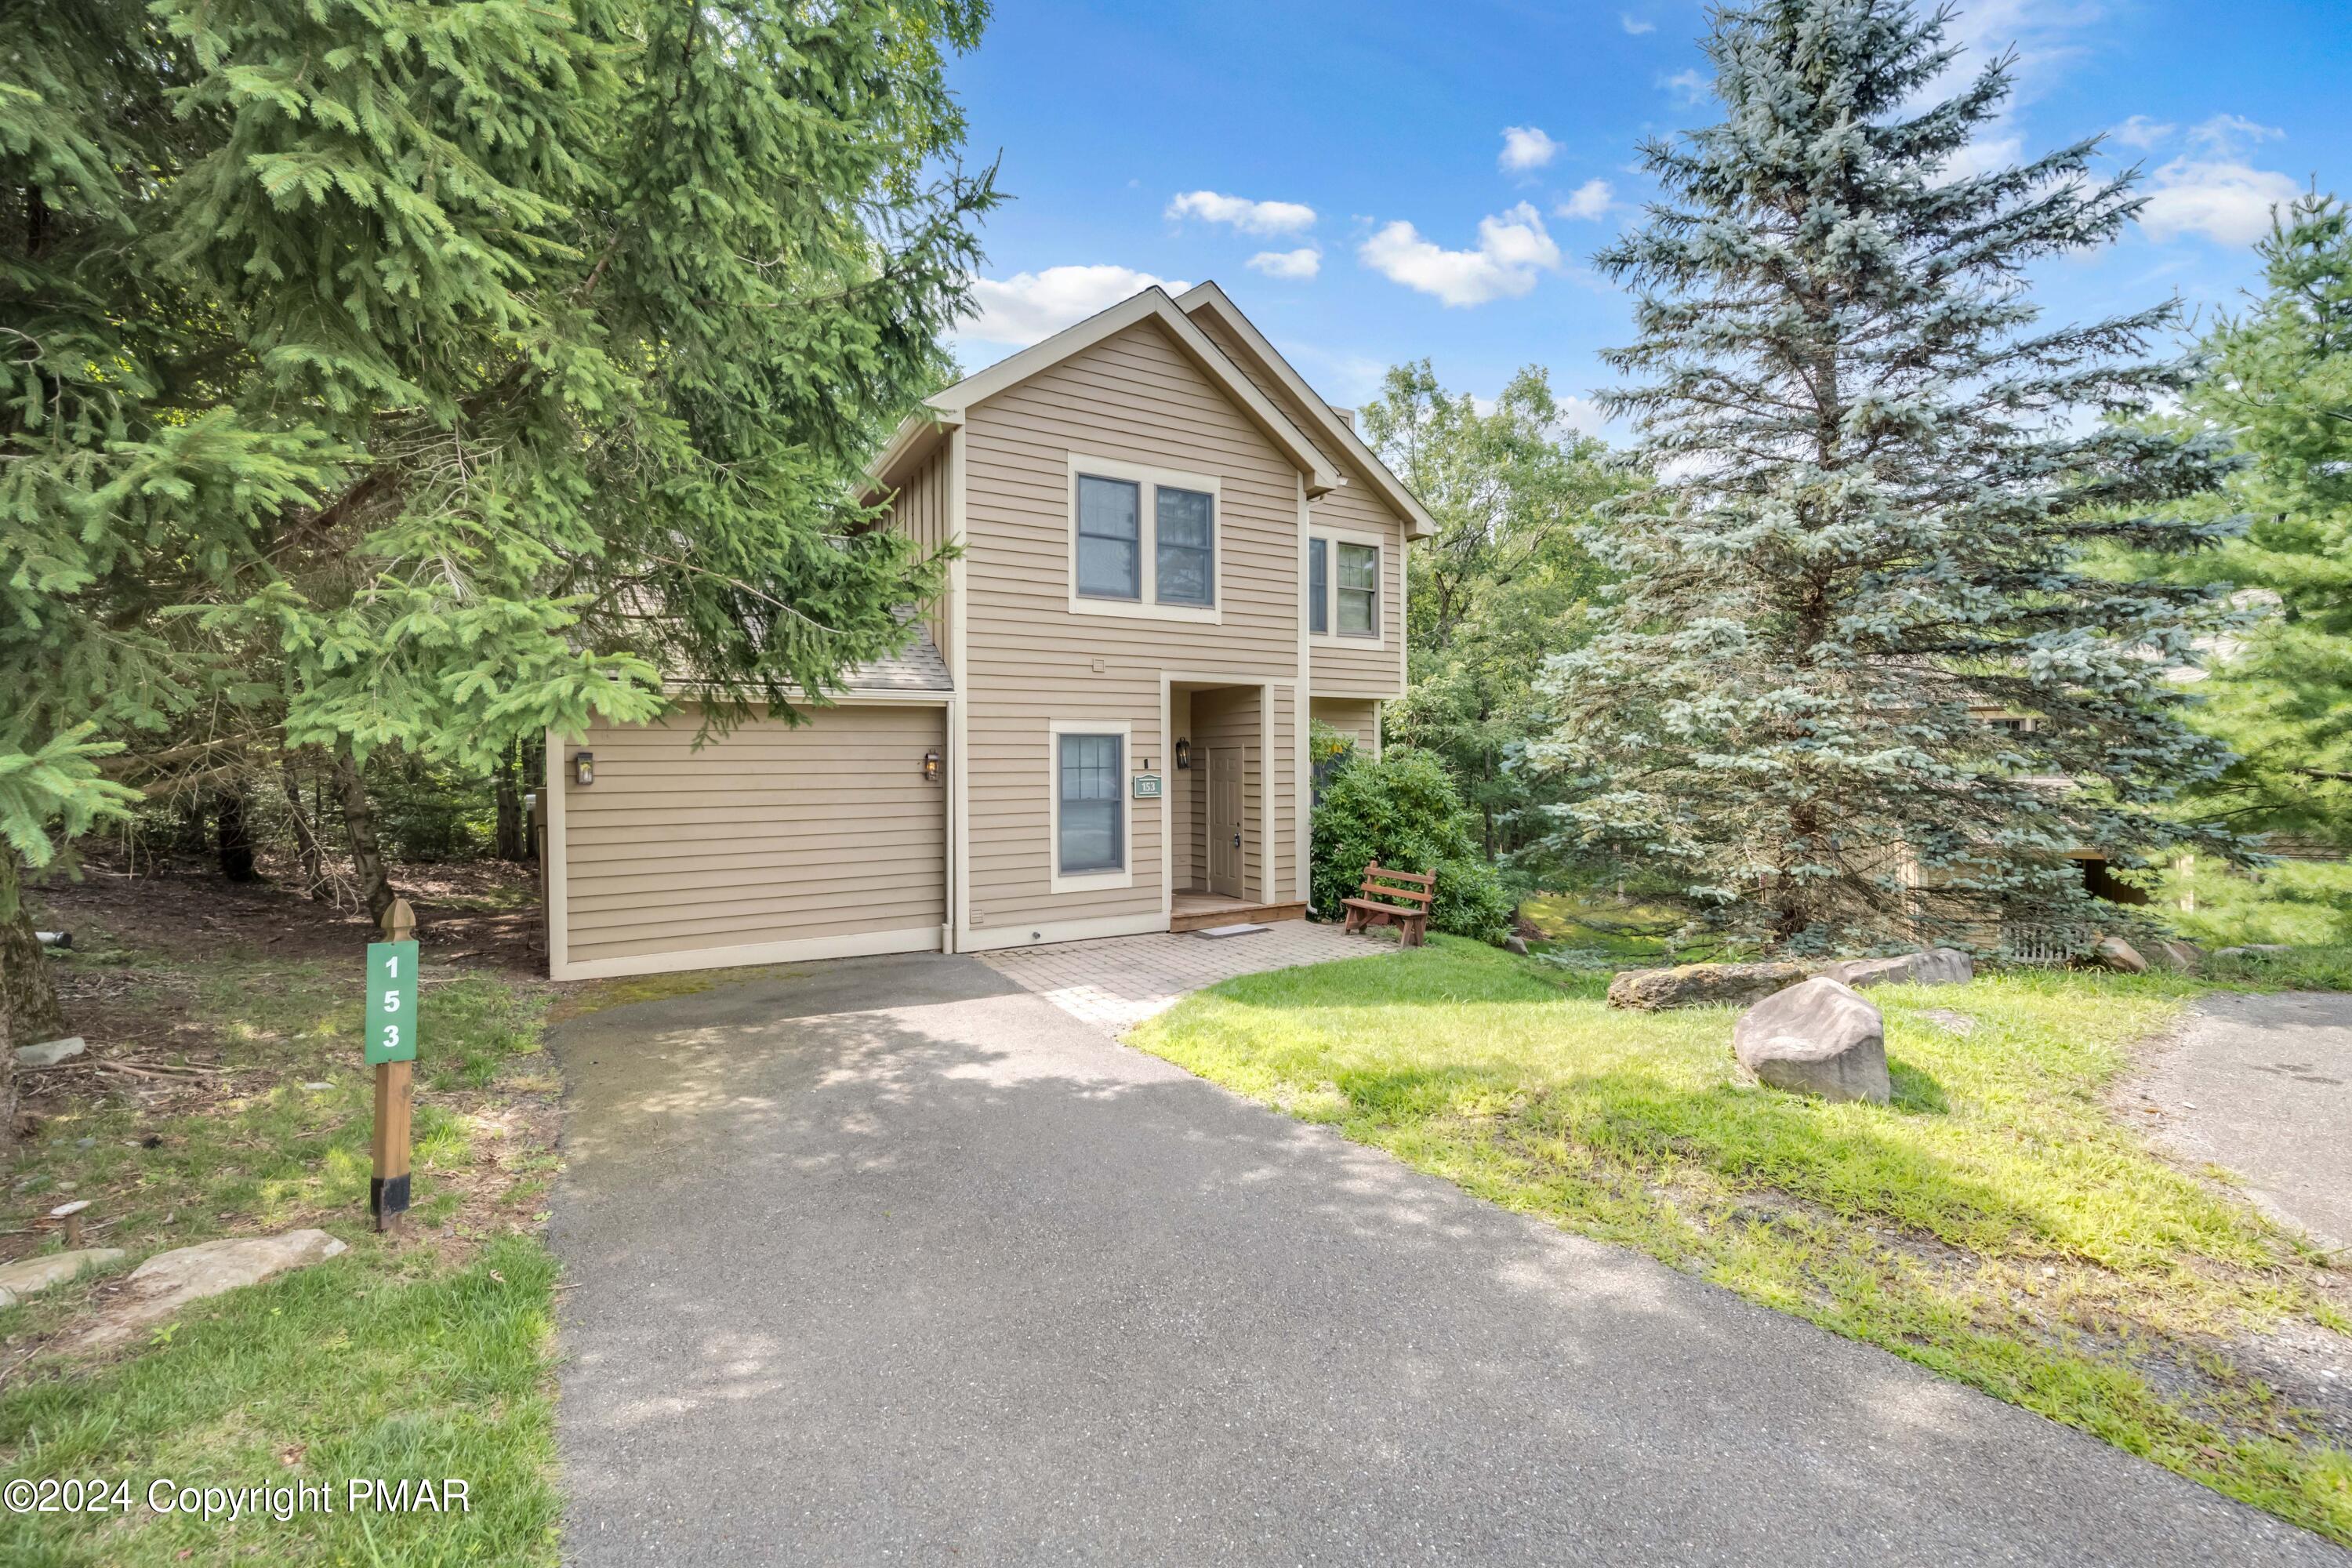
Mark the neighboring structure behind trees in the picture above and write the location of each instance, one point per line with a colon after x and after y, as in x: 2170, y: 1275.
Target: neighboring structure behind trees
x: 1167, y: 541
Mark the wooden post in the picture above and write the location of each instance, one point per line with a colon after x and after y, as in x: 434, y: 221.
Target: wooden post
x: 388, y: 1184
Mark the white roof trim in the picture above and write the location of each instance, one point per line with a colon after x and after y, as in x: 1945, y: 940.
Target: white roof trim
x: 1342, y: 434
x: 1151, y: 304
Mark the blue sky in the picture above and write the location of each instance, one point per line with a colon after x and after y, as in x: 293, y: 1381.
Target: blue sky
x: 1376, y: 183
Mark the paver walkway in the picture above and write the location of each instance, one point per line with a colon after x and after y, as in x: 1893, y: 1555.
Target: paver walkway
x: 1119, y: 981
x: 891, y: 1261
x: 2263, y: 1085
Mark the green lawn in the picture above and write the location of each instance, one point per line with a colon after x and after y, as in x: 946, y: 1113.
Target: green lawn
x: 432, y: 1357
x: 1996, y: 1223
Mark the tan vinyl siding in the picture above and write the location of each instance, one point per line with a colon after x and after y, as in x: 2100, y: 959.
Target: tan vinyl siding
x: 919, y: 510
x: 1357, y: 716
x: 774, y: 834
x: 1352, y: 667
x: 1354, y: 671
x: 1029, y: 660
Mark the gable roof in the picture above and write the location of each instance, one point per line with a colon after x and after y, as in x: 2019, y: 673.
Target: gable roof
x: 945, y: 410
x: 1339, y: 434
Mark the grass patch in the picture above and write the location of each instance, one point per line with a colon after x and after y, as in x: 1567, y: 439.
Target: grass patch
x: 2304, y: 903
x: 1995, y: 1224
x: 228, y: 1097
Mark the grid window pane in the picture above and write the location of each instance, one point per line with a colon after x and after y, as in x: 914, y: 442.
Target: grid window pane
x: 1185, y: 569
x: 1089, y: 771
x: 1360, y: 590
x: 1110, y: 538
x: 1318, y: 585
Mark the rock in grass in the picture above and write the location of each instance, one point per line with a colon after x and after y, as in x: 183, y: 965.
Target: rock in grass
x: 2114, y: 953
x: 1818, y: 1037
x: 169, y: 1280
x: 2173, y: 953
x: 1936, y: 967
x: 1700, y: 984
x: 30, y: 1275
x: 49, y: 1053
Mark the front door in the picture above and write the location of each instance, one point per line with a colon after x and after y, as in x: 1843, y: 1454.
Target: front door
x: 1225, y: 821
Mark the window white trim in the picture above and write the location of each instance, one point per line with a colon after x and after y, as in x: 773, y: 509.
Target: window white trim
x: 1334, y: 638
x: 1149, y: 481
x: 1089, y: 881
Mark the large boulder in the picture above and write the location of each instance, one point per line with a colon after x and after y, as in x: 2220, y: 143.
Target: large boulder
x: 2114, y: 953
x: 169, y: 1280
x: 1701, y: 984
x: 1936, y: 967
x: 1818, y: 1037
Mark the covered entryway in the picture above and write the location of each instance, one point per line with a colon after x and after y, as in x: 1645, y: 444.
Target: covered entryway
x: 1219, y: 871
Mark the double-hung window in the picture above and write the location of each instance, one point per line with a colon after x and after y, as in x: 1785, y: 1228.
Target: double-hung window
x: 1358, y: 588
x: 1318, y: 586
x: 1110, y: 538
x: 1343, y: 586
x: 1090, y: 837
x: 1143, y: 541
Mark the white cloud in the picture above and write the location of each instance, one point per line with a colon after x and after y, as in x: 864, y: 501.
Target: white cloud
x: 1527, y: 147
x: 1513, y: 251
x: 2220, y: 198
x: 1589, y: 200
x: 1635, y: 25
x: 1303, y: 262
x: 2141, y: 131
x: 2047, y: 35
x: 2225, y: 135
x: 1689, y: 87
x: 1983, y: 155
x: 1581, y: 415
x: 1249, y: 216
x: 1028, y: 306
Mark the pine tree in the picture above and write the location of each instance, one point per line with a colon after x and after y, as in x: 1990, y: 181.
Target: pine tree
x: 1877, y: 479
x: 416, y: 377
x: 2280, y: 383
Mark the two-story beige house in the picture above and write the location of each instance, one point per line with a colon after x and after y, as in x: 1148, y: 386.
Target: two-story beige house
x: 1173, y: 556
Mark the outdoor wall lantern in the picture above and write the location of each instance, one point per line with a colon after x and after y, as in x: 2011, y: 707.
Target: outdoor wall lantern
x: 931, y: 765
x: 1183, y: 756
x: 584, y: 767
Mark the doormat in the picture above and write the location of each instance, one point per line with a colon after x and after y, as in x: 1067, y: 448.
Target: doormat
x: 1214, y: 932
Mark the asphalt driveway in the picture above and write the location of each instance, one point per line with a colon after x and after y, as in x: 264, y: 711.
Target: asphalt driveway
x: 2262, y: 1084
x: 889, y: 1261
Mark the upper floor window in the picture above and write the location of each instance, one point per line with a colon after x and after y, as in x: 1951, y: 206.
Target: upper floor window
x: 1142, y: 541
x: 1318, y: 586
x: 1343, y: 586
x: 1360, y: 590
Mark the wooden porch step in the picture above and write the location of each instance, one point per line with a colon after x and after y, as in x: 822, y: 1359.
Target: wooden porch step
x: 1235, y: 914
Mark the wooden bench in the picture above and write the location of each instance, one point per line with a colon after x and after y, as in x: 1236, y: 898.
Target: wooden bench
x: 1406, y: 907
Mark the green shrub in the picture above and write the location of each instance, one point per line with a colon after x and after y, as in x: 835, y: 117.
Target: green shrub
x: 1403, y: 812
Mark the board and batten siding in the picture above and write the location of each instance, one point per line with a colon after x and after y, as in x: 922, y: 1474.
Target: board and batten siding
x: 1029, y: 660
x: 775, y: 842
x: 1336, y: 668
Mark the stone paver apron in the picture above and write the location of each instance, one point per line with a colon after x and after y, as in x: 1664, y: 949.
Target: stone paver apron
x: 1117, y: 982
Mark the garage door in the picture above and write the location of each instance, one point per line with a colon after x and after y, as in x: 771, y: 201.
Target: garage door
x: 775, y: 844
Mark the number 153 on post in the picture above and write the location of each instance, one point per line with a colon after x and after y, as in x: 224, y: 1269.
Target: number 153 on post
x: 391, y: 1002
